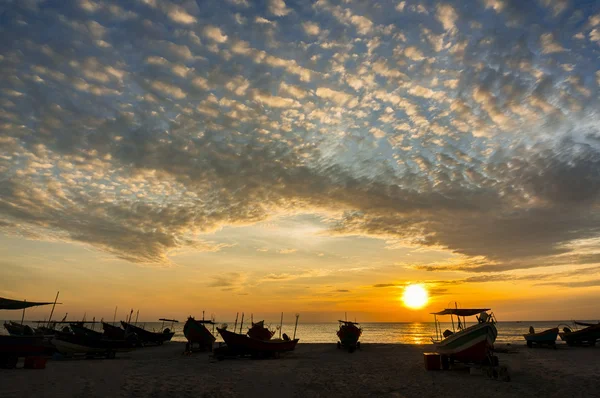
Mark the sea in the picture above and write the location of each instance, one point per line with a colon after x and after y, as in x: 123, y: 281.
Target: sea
x: 380, y: 332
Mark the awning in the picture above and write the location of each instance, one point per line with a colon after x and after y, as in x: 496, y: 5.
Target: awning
x: 461, y: 311
x: 8, y: 304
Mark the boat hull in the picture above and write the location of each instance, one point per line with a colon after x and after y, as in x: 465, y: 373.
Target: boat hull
x: 70, y: 344
x: 242, y: 344
x: 547, y: 337
x: 196, y: 333
x: 471, y: 345
x: 349, y: 335
x: 587, y: 336
x: 146, y: 336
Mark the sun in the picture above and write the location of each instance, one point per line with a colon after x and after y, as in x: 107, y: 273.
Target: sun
x: 415, y: 296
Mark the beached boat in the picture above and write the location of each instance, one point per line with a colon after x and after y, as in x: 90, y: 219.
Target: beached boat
x: 260, y: 332
x: 471, y: 344
x: 81, y: 330
x: 241, y: 344
x: 71, y: 344
x: 547, y: 337
x: 113, y: 332
x: 196, y: 333
x: 16, y: 329
x: 13, y: 347
x: 348, y: 334
x: 148, y: 337
x: 586, y: 336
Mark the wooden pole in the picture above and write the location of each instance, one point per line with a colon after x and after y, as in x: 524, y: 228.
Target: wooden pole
x: 296, y: 327
x: 242, y: 323
x: 53, y: 305
x: 23, y: 316
x: 202, y: 314
x: 115, y: 316
x: 280, y: 325
x: 236, y: 318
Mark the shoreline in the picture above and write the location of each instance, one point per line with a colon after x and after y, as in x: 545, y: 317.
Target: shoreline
x: 313, y: 369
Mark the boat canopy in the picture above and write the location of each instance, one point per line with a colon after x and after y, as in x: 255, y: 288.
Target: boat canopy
x: 461, y: 311
x: 8, y: 304
x: 348, y: 322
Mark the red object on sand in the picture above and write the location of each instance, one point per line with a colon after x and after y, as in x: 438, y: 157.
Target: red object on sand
x: 432, y: 361
x: 35, y: 363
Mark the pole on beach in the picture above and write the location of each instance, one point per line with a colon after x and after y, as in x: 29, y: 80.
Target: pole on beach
x: 23, y: 316
x: 242, y: 323
x: 53, y: 305
x: 115, y: 316
x: 280, y: 325
x: 296, y: 327
x: 236, y: 318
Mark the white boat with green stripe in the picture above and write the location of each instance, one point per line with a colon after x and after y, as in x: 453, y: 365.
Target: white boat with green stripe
x: 469, y: 344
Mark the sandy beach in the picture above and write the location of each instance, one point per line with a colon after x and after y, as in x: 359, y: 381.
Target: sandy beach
x: 313, y: 370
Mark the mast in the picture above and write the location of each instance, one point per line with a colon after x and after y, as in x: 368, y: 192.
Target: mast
x: 23, y: 316
x: 136, y: 317
x: 115, y: 316
x: 236, y: 318
x: 280, y: 325
x: 295, y: 327
x: 242, y: 323
x: 53, y: 305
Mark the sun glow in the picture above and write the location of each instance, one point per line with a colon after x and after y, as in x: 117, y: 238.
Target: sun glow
x: 415, y: 296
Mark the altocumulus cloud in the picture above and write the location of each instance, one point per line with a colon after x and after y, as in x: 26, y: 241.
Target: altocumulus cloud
x: 138, y: 127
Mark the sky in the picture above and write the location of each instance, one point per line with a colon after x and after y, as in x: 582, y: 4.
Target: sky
x: 311, y: 157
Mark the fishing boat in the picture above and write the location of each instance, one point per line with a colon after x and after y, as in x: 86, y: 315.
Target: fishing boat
x: 467, y: 344
x: 148, y: 337
x: 586, y: 336
x: 16, y: 329
x: 260, y: 332
x: 196, y: 333
x: 241, y: 344
x: 81, y: 330
x: 72, y: 344
x: 13, y: 347
x: 547, y: 337
x: 113, y: 332
x: 348, y: 335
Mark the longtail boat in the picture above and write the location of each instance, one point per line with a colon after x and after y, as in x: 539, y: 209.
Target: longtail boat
x: 113, y: 332
x: 148, y: 337
x: 260, y: 332
x: 196, y: 333
x: 348, y: 334
x: 13, y: 347
x: 16, y: 329
x: 547, y: 337
x: 472, y: 344
x: 71, y: 343
x: 81, y: 330
x: 241, y: 344
x: 586, y: 336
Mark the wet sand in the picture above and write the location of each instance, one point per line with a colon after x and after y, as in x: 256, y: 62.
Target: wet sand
x: 313, y: 370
